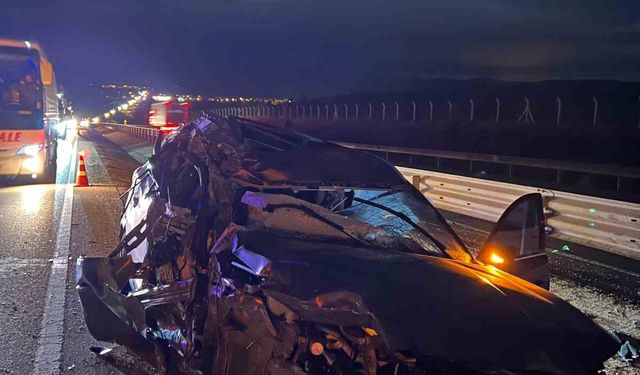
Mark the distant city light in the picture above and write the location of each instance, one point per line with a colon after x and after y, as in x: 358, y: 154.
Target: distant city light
x: 161, y: 98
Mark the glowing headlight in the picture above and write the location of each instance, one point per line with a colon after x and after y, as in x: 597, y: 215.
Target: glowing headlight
x: 31, y: 150
x: 33, y: 164
x: 497, y: 259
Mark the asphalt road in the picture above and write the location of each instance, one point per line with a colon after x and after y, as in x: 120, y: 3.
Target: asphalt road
x: 29, y: 220
x: 46, y: 227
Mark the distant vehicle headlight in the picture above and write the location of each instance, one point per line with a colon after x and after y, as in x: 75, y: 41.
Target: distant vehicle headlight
x: 31, y: 150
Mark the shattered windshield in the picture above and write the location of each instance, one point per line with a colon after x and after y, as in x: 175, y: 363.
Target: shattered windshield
x: 400, y: 213
x: 403, y: 222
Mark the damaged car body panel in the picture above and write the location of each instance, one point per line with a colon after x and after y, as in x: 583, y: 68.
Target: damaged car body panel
x: 248, y: 249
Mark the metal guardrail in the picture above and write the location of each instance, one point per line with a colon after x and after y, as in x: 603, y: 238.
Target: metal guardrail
x: 139, y: 131
x: 606, y: 181
x: 605, y: 224
x: 557, y: 165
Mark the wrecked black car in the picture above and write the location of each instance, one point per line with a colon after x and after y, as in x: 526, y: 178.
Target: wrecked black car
x: 248, y: 249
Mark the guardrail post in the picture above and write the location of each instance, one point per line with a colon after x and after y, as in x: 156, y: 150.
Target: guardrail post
x: 384, y: 110
x: 310, y: 111
x: 297, y: 111
x: 318, y: 108
x: 413, y: 105
x: 335, y: 111
x: 304, y: 111
x: 595, y: 111
x: 430, y: 111
x: 471, y: 114
x: 559, y: 102
x: 290, y: 111
x: 397, y: 111
x: 450, y: 110
x: 326, y: 109
x: 371, y: 111
x: 357, y: 111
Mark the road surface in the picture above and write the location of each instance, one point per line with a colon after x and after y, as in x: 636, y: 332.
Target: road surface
x: 46, y: 227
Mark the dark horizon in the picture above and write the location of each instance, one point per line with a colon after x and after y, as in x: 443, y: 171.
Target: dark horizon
x: 286, y: 48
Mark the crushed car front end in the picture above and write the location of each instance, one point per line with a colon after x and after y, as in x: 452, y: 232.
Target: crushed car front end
x: 247, y: 249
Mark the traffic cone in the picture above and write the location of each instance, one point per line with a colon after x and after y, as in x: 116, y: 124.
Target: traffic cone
x: 81, y: 176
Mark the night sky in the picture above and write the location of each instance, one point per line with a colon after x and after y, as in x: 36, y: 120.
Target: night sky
x: 324, y: 47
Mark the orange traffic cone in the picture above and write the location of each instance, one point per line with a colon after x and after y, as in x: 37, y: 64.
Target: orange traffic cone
x: 81, y: 176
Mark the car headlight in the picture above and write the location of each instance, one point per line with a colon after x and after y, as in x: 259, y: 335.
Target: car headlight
x: 30, y: 150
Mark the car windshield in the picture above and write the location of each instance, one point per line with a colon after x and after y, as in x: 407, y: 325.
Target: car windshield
x: 394, y: 219
x: 404, y: 214
x: 20, y: 89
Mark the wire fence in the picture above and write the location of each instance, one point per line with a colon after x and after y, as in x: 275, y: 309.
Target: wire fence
x: 586, y: 112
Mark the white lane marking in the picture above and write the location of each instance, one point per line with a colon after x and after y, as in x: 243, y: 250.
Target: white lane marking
x: 49, y: 349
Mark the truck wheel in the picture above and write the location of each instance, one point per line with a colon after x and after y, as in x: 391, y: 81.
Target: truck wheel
x: 50, y: 170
